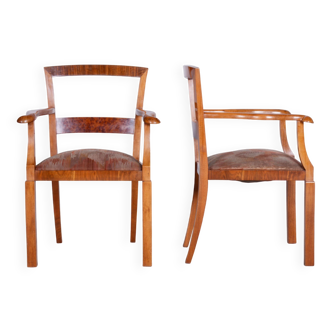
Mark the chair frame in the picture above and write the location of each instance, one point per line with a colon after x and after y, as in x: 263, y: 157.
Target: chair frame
x: 78, y: 125
x: 203, y: 174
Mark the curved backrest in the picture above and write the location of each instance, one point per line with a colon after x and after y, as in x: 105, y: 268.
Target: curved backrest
x: 92, y: 124
x: 197, y: 114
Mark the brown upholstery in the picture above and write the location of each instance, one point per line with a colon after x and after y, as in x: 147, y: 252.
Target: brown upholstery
x: 254, y: 159
x: 90, y: 160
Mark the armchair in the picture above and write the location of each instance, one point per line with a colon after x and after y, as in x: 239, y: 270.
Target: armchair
x: 90, y: 164
x: 251, y: 165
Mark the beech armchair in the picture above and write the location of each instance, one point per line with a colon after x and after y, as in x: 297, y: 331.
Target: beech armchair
x: 249, y: 165
x: 90, y: 164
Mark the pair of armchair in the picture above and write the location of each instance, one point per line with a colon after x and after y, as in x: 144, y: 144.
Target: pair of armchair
x: 108, y: 165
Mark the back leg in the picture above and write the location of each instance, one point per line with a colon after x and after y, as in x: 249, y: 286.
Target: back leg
x: 291, y: 212
x: 193, y: 211
x: 201, y: 202
x: 134, y: 197
x: 56, y: 207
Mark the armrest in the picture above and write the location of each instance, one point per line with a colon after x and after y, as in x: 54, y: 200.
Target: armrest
x: 253, y: 111
x: 33, y: 115
x: 149, y: 117
x: 215, y: 114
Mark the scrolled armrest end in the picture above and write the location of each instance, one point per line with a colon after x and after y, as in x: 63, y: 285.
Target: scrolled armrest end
x: 151, y: 120
x: 26, y: 119
x: 308, y: 119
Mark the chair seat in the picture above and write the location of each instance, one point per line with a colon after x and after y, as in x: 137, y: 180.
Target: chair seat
x: 254, y: 159
x: 90, y: 160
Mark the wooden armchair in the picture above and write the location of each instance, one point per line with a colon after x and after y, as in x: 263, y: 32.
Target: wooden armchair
x: 90, y: 164
x: 249, y: 165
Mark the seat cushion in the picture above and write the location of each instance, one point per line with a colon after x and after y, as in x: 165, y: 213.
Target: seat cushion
x: 254, y: 159
x: 90, y: 160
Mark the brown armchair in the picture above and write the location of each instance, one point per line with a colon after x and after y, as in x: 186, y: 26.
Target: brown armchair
x: 90, y: 164
x: 249, y: 165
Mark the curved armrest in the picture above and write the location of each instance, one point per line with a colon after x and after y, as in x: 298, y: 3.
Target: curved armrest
x: 149, y: 117
x: 33, y: 115
x: 252, y: 111
x: 267, y: 116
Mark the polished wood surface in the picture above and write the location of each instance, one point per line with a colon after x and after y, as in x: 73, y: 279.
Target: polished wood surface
x: 283, y: 138
x: 148, y: 116
x: 216, y: 114
x: 31, y: 229
x: 248, y: 165
x: 95, y: 125
x: 111, y: 70
x: 86, y: 165
x: 32, y: 115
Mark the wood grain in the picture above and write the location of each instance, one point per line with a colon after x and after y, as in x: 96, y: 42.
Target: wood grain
x: 291, y: 211
x: 88, y: 175
x: 95, y: 125
x: 147, y: 223
x: 56, y: 209
x: 34, y: 114
x: 193, y: 209
x: 31, y: 229
x: 197, y: 113
x: 112, y: 70
x: 283, y: 138
x: 248, y: 116
x: 134, y: 199
x: 309, y: 224
x: 303, y: 153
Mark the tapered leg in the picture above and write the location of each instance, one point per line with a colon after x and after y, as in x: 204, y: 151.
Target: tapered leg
x: 192, y: 212
x: 31, y: 231
x: 291, y: 212
x: 201, y: 201
x: 147, y: 224
x: 134, y: 197
x: 309, y: 223
x: 56, y: 207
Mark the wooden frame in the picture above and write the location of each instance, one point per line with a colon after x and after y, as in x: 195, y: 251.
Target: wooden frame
x: 203, y: 172
x: 79, y: 125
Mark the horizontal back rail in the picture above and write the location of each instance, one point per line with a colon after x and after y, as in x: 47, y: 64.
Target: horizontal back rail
x: 95, y: 125
x: 77, y: 70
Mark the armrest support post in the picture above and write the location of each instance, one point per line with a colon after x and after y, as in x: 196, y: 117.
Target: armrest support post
x: 303, y: 153
x: 283, y: 138
x: 146, y: 153
x: 31, y: 144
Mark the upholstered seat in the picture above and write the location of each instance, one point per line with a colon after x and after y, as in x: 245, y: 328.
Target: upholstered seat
x: 90, y: 160
x: 254, y: 159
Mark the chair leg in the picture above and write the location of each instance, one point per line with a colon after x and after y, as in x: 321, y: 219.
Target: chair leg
x: 31, y: 231
x: 291, y: 212
x: 56, y: 207
x: 309, y: 223
x: 201, y: 202
x: 147, y: 224
x: 192, y: 211
x: 134, y: 197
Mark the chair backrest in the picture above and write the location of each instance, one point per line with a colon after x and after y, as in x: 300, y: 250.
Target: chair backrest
x: 93, y: 124
x: 197, y: 114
